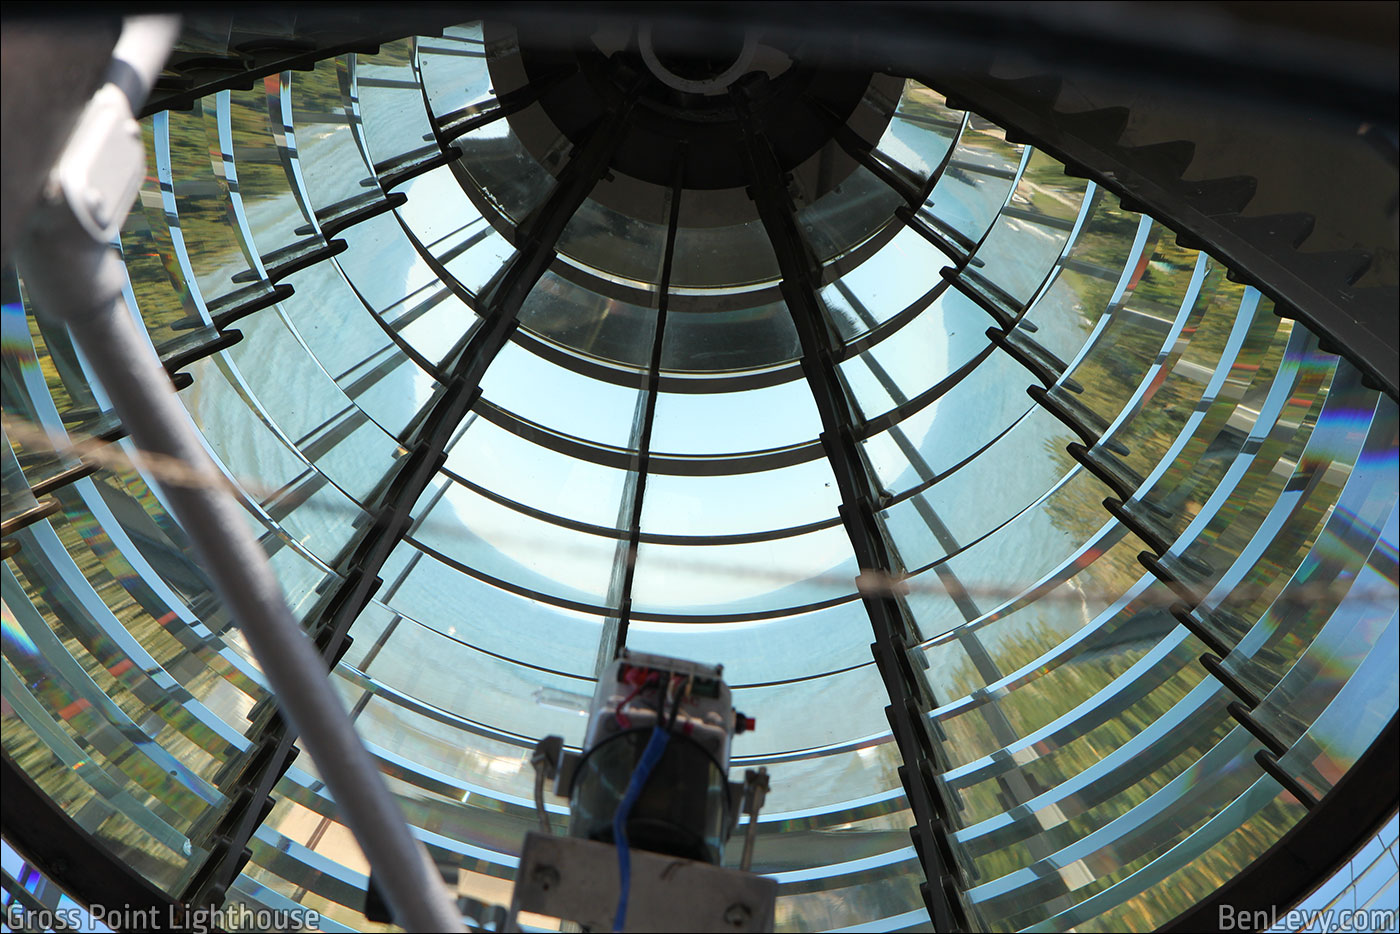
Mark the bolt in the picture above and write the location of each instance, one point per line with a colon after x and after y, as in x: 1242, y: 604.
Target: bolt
x: 737, y: 915
x: 92, y: 200
x: 546, y: 877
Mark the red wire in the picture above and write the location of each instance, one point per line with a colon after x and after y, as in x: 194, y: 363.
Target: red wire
x: 623, y: 720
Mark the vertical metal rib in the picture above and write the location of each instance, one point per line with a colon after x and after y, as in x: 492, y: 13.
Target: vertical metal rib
x: 820, y: 352
x: 634, y: 532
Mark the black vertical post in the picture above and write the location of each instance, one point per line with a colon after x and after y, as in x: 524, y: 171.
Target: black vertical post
x: 634, y: 532
x: 907, y: 692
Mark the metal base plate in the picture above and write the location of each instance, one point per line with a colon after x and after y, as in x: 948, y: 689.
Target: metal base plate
x: 576, y: 880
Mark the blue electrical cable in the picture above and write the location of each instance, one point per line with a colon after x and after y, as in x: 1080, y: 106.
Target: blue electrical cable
x: 656, y: 745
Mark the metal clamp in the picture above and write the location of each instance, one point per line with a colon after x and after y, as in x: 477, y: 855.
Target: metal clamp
x: 755, y: 791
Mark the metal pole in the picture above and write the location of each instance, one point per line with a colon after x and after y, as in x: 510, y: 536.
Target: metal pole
x: 75, y: 277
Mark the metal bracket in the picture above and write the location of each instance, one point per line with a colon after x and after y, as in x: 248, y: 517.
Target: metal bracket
x: 545, y: 760
x: 103, y: 167
x: 755, y: 792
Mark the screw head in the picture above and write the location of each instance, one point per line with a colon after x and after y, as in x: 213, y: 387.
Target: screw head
x: 545, y: 877
x: 737, y: 915
x: 92, y: 200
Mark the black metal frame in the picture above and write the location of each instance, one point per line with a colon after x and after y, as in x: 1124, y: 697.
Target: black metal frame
x: 1362, y: 800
